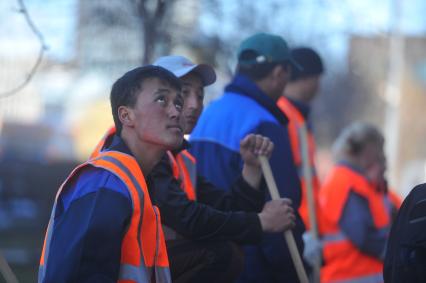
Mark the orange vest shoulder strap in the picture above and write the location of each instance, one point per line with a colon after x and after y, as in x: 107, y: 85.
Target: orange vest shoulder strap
x: 174, y: 164
x: 332, y: 199
x: 288, y: 108
x: 189, y: 156
x: 101, y: 143
x: 187, y: 166
x: 183, y: 168
x: 296, y: 120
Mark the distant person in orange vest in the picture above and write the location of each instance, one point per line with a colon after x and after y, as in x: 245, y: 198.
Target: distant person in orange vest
x: 205, y: 224
x: 104, y: 226
x: 295, y: 103
x: 355, y: 216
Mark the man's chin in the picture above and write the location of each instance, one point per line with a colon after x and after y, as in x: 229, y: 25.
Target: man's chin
x: 176, y: 144
x: 189, y: 127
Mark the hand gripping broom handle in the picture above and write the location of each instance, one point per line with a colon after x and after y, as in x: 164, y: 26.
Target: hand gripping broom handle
x: 288, y: 235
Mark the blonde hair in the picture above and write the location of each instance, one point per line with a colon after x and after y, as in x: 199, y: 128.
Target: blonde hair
x: 354, y: 139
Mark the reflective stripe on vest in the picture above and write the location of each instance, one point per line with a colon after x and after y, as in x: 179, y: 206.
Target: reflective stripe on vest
x: 296, y: 126
x: 143, y: 250
x: 344, y: 261
x: 333, y: 238
x: 184, y: 169
x: 371, y: 278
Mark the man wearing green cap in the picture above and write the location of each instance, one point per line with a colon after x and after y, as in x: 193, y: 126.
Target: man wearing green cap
x: 249, y: 106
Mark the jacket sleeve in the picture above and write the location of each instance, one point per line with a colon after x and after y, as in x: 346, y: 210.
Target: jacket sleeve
x: 357, y: 224
x: 240, y: 197
x: 198, y: 220
x: 87, y: 234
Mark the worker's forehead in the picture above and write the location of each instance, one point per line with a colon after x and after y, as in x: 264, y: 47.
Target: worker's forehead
x: 153, y: 83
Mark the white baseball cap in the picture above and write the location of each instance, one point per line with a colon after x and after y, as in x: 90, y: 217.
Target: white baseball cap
x: 180, y: 66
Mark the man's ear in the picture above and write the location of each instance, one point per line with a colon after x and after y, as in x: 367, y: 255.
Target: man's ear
x: 277, y: 73
x: 284, y: 70
x: 125, y: 114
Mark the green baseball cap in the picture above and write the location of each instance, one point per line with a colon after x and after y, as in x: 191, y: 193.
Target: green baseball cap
x: 269, y: 48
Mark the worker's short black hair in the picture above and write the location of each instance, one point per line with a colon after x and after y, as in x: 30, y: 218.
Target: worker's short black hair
x: 309, y: 60
x: 124, y: 90
x: 257, y: 71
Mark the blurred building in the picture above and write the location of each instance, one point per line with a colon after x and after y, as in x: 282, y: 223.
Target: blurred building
x: 369, y: 63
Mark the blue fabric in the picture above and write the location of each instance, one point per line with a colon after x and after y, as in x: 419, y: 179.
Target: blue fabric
x: 89, y: 182
x: 215, y: 141
x: 91, y: 217
x: 357, y: 224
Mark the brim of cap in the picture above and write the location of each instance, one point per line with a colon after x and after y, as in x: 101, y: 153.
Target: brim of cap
x: 207, y: 73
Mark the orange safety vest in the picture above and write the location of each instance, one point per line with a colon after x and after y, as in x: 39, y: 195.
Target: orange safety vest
x: 143, y: 250
x: 296, y: 121
x: 343, y: 261
x: 184, y: 169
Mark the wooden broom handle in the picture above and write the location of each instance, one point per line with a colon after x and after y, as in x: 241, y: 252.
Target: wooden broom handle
x: 288, y: 235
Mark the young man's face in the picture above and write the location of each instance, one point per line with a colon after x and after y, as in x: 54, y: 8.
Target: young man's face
x: 193, y: 94
x: 157, y: 114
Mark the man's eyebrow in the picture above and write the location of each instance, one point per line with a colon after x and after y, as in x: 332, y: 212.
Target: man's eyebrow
x: 162, y: 90
x: 191, y: 84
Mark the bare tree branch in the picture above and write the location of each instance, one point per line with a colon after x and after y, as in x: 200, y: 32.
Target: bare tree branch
x: 151, y: 24
x: 43, y: 48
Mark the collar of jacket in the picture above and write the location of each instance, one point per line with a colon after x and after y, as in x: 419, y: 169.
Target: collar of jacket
x: 353, y: 167
x: 303, y: 108
x: 242, y: 85
x: 185, y: 145
x: 118, y: 144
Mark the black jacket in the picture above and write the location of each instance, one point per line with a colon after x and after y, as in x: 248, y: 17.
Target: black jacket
x: 215, y: 215
x: 405, y: 259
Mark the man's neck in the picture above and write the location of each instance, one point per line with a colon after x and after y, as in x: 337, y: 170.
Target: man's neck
x: 147, y: 155
x: 293, y: 92
x: 264, y: 86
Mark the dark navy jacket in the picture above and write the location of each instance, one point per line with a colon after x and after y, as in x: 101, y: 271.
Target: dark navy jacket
x: 215, y: 142
x: 215, y: 215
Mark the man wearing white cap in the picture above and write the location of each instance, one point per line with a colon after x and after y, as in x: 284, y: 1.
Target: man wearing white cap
x: 204, y: 224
